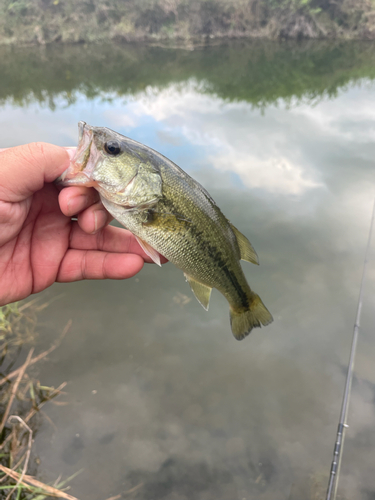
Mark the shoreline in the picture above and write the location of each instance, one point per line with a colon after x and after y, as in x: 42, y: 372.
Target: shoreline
x: 179, y: 22
x: 190, y: 43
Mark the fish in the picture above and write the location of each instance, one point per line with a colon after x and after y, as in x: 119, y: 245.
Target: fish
x: 172, y: 215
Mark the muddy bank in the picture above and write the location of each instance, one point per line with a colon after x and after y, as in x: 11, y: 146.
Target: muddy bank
x: 189, y: 22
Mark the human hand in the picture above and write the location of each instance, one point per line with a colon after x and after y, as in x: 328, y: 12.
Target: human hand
x: 39, y: 243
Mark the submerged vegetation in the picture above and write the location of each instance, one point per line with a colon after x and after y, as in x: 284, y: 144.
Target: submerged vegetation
x: 46, y: 21
x: 21, y: 400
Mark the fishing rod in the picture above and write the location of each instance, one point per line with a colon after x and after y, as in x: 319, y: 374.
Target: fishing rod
x: 339, y: 444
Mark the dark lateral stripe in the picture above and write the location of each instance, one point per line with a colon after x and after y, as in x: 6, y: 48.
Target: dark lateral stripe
x: 216, y: 256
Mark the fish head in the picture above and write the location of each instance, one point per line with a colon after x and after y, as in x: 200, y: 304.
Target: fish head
x: 121, y: 169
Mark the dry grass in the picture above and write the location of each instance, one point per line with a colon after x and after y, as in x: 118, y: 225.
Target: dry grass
x: 72, y: 21
x: 21, y: 400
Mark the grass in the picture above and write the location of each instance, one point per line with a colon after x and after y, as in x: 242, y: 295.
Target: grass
x: 75, y: 21
x: 21, y: 400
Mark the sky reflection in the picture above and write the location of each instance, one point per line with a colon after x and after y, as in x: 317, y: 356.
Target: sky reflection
x: 178, y: 405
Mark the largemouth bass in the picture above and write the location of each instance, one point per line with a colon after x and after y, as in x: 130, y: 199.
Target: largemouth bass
x: 170, y: 214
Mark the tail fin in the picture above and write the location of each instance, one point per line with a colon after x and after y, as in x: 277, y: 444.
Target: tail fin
x: 244, y: 320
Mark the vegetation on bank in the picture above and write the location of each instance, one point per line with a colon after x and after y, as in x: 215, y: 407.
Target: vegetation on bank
x: 21, y: 400
x: 71, y: 21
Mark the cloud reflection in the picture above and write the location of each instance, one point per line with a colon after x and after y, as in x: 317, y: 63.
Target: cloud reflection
x: 266, y: 152
x: 191, y: 409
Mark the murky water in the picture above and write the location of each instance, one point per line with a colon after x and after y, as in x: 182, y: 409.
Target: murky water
x: 163, y: 402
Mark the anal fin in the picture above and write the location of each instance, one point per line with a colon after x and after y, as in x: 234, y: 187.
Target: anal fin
x: 246, y: 248
x: 201, y: 292
x: 151, y: 252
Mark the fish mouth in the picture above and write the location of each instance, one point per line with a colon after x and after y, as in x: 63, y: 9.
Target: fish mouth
x: 82, y: 164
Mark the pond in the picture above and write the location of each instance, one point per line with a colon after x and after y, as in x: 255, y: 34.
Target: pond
x: 163, y: 402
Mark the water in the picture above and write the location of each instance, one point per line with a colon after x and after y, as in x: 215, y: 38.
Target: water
x: 163, y: 402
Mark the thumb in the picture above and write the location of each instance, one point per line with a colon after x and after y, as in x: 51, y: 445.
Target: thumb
x: 25, y: 169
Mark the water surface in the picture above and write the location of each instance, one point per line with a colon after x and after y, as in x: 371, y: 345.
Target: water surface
x: 163, y: 402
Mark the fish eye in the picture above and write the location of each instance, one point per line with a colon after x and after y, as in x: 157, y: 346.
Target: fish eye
x: 112, y: 148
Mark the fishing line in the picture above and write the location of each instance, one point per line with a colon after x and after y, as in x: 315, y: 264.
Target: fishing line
x: 339, y: 444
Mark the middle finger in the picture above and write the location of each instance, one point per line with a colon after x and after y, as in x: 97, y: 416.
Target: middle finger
x: 75, y: 199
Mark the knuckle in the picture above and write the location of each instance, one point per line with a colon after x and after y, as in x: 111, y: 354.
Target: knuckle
x: 84, y: 270
x: 38, y: 147
x: 32, y: 153
x: 104, y: 267
x: 36, y: 150
x: 100, y: 239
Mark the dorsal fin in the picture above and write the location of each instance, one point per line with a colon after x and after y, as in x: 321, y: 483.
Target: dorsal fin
x: 201, y: 292
x: 246, y: 248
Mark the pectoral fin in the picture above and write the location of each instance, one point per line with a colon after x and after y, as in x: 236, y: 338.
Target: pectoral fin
x: 246, y: 248
x: 201, y: 292
x: 151, y: 252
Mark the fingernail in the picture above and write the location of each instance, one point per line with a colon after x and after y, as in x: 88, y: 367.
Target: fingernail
x: 100, y: 219
x: 71, y: 152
